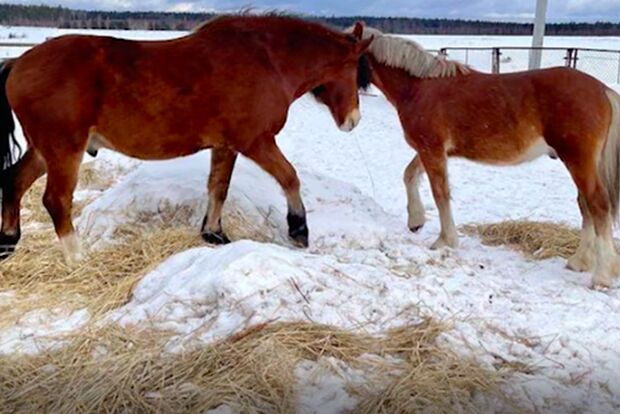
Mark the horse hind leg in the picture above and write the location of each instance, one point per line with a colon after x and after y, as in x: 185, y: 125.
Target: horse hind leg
x: 19, y: 178
x: 415, y: 209
x: 583, y: 260
x: 607, y: 263
x: 62, y: 176
x: 436, y: 169
x: 606, y: 259
x: 222, y: 165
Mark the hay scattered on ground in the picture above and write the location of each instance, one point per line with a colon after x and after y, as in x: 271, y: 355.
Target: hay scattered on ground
x: 39, y: 277
x: 91, y: 177
x: 538, y: 240
x: 123, y: 369
x: 115, y: 370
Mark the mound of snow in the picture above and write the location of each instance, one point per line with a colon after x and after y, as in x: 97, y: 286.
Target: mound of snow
x: 256, y: 207
x: 210, y: 293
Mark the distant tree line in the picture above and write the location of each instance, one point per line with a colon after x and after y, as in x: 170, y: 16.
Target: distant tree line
x: 23, y: 15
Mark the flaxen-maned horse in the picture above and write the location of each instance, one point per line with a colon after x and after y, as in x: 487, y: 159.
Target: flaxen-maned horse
x: 447, y: 109
x: 226, y: 86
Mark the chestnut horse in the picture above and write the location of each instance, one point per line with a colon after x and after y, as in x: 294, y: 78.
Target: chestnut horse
x: 226, y: 86
x: 447, y: 109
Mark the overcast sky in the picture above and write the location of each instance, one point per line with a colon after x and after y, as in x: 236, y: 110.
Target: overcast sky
x: 519, y: 10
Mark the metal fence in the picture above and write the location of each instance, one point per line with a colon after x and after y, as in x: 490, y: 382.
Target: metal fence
x: 10, y: 49
x: 603, y: 64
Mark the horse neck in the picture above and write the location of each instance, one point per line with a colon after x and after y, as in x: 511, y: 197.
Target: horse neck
x: 307, y: 64
x: 395, y: 83
x: 300, y: 52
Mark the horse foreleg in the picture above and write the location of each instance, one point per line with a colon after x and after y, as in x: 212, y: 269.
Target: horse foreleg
x: 62, y: 176
x: 436, y: 169
x: 267, y: 155
x: 415, y: 208
x: 19, y: 178
x: 584, y: 258
x: 222, y: 165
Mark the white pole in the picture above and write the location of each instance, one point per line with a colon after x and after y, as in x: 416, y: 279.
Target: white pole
x: 539, y: 33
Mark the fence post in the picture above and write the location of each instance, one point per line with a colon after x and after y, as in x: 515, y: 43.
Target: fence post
x: 495, y: 60
x: 571, y: 58
x: 618, y: 68
x: 575, y: 58
x: 568, y: 57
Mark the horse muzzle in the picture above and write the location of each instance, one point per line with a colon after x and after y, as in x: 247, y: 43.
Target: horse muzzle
x: 351, y: 120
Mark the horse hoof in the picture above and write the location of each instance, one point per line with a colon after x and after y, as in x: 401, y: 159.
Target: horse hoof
x: 301, y: 240
x: 6, y: 252
x: 601, y: 287
x: 297, y: 229
x: 579, y: 264
x: 7, y: 245
x: 441, y: 243
x: 215, y: 238
x: 415, y: 229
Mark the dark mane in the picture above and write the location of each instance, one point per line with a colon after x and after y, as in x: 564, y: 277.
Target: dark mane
x: 364, y: 72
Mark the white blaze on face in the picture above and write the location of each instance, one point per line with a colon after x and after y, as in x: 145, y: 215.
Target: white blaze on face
x: 351, y: 120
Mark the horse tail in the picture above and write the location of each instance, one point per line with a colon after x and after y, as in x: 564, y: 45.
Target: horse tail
x: 9, y: 147
x: 609, y: 165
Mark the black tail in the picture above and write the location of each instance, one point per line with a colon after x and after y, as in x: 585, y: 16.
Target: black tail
x: 9, y: 147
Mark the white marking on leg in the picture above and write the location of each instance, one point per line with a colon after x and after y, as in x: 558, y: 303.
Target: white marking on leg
x: 607, y: 262
x: 585, y: 257
x: 448, y: 236
x: 71, y: 248
x: 415, y: 208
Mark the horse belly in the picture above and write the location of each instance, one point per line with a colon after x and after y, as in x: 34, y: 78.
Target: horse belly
x: 536, y: 149
x: 149, y: 146
x: 504, y: 151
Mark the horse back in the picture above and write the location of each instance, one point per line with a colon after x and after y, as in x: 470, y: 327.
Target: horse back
x: 503, y: 118
x: 190, y: 88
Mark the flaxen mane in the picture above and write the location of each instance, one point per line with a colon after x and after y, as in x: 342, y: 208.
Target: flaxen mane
x: 410, y: 56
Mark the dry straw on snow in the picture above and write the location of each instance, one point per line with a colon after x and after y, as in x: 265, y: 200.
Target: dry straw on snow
x: 38, y: 276
x: 120, y: 371
x: 538, y: 240
x: 108, y: 368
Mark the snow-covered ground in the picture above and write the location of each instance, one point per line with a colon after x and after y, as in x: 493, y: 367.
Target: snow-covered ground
x: 364, y: 269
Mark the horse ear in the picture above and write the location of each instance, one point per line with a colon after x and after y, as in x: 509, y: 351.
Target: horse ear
x: 363, y: 45
x: 358, y: 30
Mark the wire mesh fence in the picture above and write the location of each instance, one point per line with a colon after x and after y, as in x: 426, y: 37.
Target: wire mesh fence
x: 603, y: 64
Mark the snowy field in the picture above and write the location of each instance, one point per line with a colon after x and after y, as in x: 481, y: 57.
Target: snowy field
x: 364, y: 269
